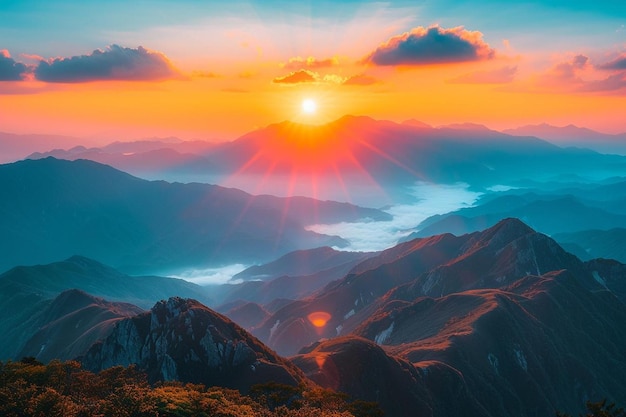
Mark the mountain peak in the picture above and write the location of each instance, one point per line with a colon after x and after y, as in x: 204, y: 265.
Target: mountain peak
x: 504, y: 232
x: 181, y: 339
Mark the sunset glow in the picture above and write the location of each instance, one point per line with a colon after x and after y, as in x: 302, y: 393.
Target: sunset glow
x: 216, y: 72
x: 309, y: 106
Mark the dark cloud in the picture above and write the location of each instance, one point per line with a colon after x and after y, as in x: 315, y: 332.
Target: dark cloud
x: 568, y: 70
x: 618, y: 63
x: 10, y: 70
x: 297, y: 77
x: 612, y: 83
x: 114, y: 63
x: 361, y: 79
x: 433, y: 45
x: 310, y: 62
x: 503, y: 75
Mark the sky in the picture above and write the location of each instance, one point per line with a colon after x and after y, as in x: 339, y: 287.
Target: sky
x: 120, y: 70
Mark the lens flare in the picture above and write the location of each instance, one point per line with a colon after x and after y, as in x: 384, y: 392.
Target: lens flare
x: 319, y: 318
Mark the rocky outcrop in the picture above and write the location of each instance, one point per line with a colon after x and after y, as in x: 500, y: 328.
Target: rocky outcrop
x: 183, y: 340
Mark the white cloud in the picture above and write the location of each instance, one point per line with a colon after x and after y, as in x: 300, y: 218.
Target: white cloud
x: 211, y: 276
x: 375, y: 236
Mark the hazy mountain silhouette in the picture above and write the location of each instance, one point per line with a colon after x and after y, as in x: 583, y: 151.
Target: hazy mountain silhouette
x: 303, y: 262
x: 591, y: 244
x: 357, y: 151
x: 571, y: 135
x: 547, y: 213
x: 398, y: 153
x: 99, y: 280
x: 53, y: 209
x: 14, y: 147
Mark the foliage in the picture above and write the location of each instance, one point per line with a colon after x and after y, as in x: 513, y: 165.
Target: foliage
x: 599, y: 409
x: 30, y: 388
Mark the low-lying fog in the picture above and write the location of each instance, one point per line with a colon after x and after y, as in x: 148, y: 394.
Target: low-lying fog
x: 431, y: 199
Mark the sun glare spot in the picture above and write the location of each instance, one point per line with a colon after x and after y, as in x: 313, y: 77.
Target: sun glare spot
x: 309, y: 106
x: 319, y: 318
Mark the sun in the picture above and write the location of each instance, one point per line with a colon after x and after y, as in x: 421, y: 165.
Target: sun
x: 309, y: 106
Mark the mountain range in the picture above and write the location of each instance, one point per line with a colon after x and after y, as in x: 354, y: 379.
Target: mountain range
x: 354, y: 155
x: 53, y: 209
x: 503, y: 320
x: 572, y: 135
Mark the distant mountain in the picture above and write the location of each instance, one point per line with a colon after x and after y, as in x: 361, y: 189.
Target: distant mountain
x: 52, y: 209
x: 185, y: 341
x: 467, y: 126
x: 571, y: 135
x: 73, y: 322
x: 247, y: 315
x: 394, y: 153
x: 351, y: 157
x: 14, y: 147
x: 303, y: 262
x: 100, y: 280
x: 550, y: 214
x: 144, y: 157
x: 591, y: 244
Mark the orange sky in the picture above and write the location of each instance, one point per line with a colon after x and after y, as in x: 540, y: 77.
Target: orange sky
x: 255, y: 72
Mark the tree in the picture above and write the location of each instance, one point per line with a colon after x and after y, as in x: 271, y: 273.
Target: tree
x: 599, y: 409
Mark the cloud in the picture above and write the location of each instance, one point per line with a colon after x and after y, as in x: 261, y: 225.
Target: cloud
x: 204, y: 74
x: 307, y: 76
x: 433, y: 45
x: 568, y: 70
x: 10, y: 70
x: 297, y: 77
x: 618, y: 63
x: 114, y: 63
x: 361, y: 79
x: 379, y: 235
x: 578, y: 75
x: 503, y: 75
x: 310, y: 62
x: 612, y: 83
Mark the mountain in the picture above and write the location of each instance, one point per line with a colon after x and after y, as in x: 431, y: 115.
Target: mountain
x: 85, y: 274
x: 515, y: 347
x: 247, y: 315
x: 144, y: 158
x: 433, y: 266
x: 27, y: 292
x: 355, y: 158
x: 73, y: 322
x: 303, y: 262
x: 571, y: 135
x: 14, y: 147
x: 53, y: 209
x: 180, y: 339
x: 293, y: 276
x: 394, y: 153
x: 549, y: 214
x: 504, y: 321
x: 590, y: 244
x: 364, y: 370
